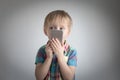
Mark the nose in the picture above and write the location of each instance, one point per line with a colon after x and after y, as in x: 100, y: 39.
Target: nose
x: 57, y: 28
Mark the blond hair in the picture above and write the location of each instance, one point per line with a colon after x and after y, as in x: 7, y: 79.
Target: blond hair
x: 61, y: 14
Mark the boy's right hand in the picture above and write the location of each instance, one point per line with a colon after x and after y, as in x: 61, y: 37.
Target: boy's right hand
x: 48, y: 50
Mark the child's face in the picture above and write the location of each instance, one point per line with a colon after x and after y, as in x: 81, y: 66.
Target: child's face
x: 59, y: 25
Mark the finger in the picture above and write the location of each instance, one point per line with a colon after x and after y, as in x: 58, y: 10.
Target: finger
x: 51, y: 49
x: 46, y: 46
x: 53, y: 45
x: 57, y: 41
x: 48, y: 42
x: 53, y: 42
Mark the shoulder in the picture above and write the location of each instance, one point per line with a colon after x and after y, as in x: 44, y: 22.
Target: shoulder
x: 72, y: 48
x: 72, y: 57
x: 72, y: 51
x: 42, y: 49
x: 40, y: 57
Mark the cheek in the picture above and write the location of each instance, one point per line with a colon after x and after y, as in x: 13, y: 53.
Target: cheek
x: 48, y: 34
x: 65, y: 35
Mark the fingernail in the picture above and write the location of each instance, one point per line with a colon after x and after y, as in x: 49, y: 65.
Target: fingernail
x: 47, y: 42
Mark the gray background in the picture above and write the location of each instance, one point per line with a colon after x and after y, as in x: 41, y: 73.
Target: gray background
x: 95, y: 35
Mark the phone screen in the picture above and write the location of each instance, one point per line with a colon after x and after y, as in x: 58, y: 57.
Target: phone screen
x: 56, y: 34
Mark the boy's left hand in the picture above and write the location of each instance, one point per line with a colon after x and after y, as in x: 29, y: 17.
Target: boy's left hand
x: 57, y: 47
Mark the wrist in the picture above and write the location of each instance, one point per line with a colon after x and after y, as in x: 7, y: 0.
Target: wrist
x: 49, y: 57
x: 63, y: 58
x: 59, y: 55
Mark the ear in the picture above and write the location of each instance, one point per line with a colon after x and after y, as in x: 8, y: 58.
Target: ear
x: 68, y: 33
x: 45, y: 32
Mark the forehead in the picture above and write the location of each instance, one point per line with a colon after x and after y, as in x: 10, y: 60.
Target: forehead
x: 58, y: 21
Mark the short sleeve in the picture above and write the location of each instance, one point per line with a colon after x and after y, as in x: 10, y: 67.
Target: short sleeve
x: 72, y: 60
x: 40, y: 57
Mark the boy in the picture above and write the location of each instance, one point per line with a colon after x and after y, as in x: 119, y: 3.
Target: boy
x: 55, y: 60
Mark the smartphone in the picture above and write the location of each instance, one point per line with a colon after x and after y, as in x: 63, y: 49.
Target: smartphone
x: 56, y: 34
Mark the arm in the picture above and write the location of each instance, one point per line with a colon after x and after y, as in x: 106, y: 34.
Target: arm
x: 42, y: 69
x: 66, y: 71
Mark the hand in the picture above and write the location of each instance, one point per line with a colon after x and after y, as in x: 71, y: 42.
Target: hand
x: 57, y: 47
x: 49, y: 51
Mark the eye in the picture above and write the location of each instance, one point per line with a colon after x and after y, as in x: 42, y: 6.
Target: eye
x: 62, y: 28
x: 51, y: 27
